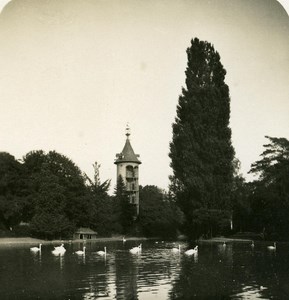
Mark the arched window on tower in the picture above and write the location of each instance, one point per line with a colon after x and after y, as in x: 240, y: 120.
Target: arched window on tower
x: 135, y: 170
x: 129, y: 171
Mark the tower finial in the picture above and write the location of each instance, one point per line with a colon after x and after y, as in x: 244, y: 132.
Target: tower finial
x: 127, y: 131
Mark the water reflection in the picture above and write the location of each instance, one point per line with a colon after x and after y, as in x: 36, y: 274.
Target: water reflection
x: 59, y: 258
x: 36, y: 257
x: 235, y: 271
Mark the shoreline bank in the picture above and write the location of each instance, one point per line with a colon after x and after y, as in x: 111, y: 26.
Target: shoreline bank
x: 224, y: 239
x: 29, y: 240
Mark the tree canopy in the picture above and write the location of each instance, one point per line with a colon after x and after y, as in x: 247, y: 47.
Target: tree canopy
x: 55, y: 184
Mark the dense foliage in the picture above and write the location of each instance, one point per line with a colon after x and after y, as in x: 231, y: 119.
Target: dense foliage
x: 159, y: 215
x: 201, y: 152
x: 12, y: 191
x: 55, y: 182
x: 269, y: 195
x: 50, y: 194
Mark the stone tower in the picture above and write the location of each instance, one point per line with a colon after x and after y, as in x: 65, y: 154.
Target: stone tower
x: 127, y: 163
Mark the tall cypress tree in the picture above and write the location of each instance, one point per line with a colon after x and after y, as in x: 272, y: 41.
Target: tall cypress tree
x: 201, y: 151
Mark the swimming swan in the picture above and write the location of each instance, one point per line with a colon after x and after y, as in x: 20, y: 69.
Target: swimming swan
x: 59, y: 250
x: 177, y: 250
x: 36, y: 249
x: 272, y: 247
x: 135, y: 250
x: 102, y: 253
x: 80, y: 252
x: 192, y: 251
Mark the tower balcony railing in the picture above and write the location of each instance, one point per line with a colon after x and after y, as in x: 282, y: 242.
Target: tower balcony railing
x: 130, y: 175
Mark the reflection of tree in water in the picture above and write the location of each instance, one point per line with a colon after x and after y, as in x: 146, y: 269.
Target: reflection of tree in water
x: 232, y: 271
x: 199, y: 279
x: 203, y: 277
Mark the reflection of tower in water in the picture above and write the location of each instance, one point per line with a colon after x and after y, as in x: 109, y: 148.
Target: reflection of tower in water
x: 126, y: 273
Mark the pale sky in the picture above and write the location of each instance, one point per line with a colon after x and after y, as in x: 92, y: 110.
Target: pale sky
x: 73, y: 73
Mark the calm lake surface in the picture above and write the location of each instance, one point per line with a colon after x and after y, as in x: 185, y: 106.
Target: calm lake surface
x: 233, y: 272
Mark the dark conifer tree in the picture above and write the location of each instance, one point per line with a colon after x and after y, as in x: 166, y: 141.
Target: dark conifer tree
x: 126, y: 210
x: 201, y: 151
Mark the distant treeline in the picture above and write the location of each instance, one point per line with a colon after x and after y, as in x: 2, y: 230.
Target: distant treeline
x: 47, y: 196
x: 50, y: 196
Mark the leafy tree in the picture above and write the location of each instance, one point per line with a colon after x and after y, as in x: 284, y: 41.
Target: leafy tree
x: 159, y: 215
x: 50, y: 220
x: 201, y: 151
x: 270, y: 193
x: 57, y: 188
x: 273, y: 168
x: 12, y: 190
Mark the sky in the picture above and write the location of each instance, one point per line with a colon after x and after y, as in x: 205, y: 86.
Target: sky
x: 74, y: 73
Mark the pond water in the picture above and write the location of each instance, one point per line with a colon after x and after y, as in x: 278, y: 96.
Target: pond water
x: 236, y: 271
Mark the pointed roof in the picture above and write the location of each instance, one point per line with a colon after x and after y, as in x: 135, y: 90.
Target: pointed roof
x: 127, y: 154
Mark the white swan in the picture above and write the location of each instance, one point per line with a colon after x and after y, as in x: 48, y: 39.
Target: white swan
x: 136, y: 250
x: 80, y: 252
x: 102, y: 253
x: 177, y: 250
x: 60, y: 250
x: 192, y: 251
x: 252, y: 244
x: 224, y: 244
x: 272, y: 247
x: 36, y: 249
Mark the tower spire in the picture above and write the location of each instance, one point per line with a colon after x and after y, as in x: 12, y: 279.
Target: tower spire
x: 127, y: 131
